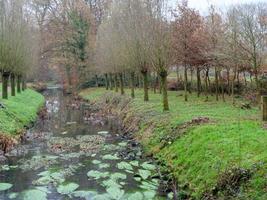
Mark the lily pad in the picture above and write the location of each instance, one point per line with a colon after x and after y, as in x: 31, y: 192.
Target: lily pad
x: 111, y: 183
x: 57, y: 177
x: 44, y: 173
x: 135, y: 196
x: 102, y: 197
x: 149, y: 185
x: 43, y: 189
x: 84, y: 194
x: 37, y: 162
x: 148, y: 166
x: 123, y: 144
x: 71, y: 155
x: 103, y: 165
x: 129, y: 171
x: 34, y: 194
x: 67, y: 188
x: 97, y: 174
x: 96, y: 162
x: 71, y: 123
x: 43, y: 180
x: 5, y: 186
x: 124, y: 165
x: 134, y: 163
x: 7, y: 167
x: 122, y: 183
x: 103, y: 132
x: 13, y: 195
x: 137, y: 179
x: 117, y: 176
x: 144, y: 173
x: 150, y: 194
x: 111, y: 147
x: 115, y: 193
x: 110, y: 157
x: 171, y: 195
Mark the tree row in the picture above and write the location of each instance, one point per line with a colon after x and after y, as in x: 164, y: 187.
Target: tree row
x: 139, y: 37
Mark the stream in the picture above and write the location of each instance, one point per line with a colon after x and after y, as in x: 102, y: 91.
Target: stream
x: 71, y: 153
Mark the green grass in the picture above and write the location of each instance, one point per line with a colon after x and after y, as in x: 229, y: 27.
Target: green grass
x: 233, y: 138
x: 19, y: 111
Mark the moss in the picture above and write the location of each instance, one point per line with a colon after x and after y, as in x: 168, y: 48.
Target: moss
x: 233, y: 138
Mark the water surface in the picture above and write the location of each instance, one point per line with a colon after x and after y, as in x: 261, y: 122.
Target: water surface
x: 73, y: 154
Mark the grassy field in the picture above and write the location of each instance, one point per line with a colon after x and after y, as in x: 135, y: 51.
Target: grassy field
x: 200, y: 155
x: 19, y: 111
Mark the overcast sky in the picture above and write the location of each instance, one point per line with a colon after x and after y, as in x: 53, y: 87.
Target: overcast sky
x: 203, y: 5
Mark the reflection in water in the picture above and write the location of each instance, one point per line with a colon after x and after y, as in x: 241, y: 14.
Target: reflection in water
x: 65, y: 148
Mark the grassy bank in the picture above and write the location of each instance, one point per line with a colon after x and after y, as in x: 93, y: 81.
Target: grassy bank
x: 19, y: 111
x: 215, y: 153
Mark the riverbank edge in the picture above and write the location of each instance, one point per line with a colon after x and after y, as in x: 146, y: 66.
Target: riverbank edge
x: 123, y: 106
x: 131, y: 130
x: 10, y: 139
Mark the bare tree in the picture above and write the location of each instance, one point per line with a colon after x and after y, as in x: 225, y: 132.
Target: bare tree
x: 187, y: 22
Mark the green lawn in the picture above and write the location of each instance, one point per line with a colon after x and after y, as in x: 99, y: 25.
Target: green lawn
x: 233, y: 138
x: 19, y: 111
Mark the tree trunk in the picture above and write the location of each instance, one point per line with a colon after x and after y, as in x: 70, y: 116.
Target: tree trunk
x: 156, y: 84
x: 255, y: 67
x: 185, y: 84
x: 238, y: 78
x: 139, y: 81
x: 163, y: 78
x: 107, y: 82
x: 198, y: 82
x: 208, y: 74
x: 116, y: 83
x: 251, y: 80
x: 178, y: 75
x: 264, y: 107
x: 216, y: 84
x: 145, y: 77
x: 121, y: 84
x: 111, y: 81
x: 233, y: 86
x: 228, y: 82
x: 13, y: 84
x: 160, y: 87
x: 190, y: 87
x: 207, y: 84
x: 132, y: 84
x: 245, y: 78
x: 23, y: 83
x: 5, y: 77
x: 68, y: 70
x: 152, y: 81
x: 19, y: 84
x: 222, y: 86
x: 96, y: 81
x: 257, y: 80
x: 68, y: 73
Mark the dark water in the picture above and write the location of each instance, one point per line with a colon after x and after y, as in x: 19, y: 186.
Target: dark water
x: 72, y: 154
